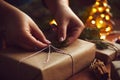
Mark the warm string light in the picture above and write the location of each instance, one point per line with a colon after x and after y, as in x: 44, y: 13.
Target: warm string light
x: 93, y: 21
x: 100, y: 9
x: 105, y: 4
x: 107, y: 10
x: 102, y: 15
x: 94, y: 10
x: 107, y: 17
x: 97, y: 3
x: 108, y: 29
x: 103, y: 37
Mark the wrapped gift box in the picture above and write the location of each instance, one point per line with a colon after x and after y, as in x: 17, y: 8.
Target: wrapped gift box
x: 59, y: 67
x: 115, y: 70
x: 107, y: 55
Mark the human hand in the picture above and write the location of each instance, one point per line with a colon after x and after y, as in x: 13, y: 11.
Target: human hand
x: 69, y: 25
x: 21, y: 30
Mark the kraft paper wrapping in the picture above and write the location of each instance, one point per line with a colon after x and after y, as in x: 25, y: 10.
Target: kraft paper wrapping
x: 107, y: 55
x: 115, y: 70
x: 59, y: 67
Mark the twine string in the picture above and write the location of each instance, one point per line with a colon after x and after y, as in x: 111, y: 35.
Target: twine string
x: 48, y: 55
x: 62, y: 52
x: 23, y: 59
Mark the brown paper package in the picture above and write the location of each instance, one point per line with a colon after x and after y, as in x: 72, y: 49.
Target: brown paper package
x: 59, y: 67
x: 108, y: 55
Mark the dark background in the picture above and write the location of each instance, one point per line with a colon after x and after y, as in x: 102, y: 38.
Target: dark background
x: 42, y: 16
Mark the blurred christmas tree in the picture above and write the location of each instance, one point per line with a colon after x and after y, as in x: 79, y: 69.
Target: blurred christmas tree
x: 100, y: 17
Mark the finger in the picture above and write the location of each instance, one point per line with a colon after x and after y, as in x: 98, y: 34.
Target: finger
x: 72, y: 37
x: 74, y: 34
x: 38, y: 34
x: 76, y: 27
x: 62, y: 31
x: 28, y: 39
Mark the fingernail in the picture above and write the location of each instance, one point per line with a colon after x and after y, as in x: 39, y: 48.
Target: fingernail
x: 48, y: 41
x: 61, y: 39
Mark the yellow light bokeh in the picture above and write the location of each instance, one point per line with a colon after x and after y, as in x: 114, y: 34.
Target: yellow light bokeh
x: 107, y: 10
x: 107, y: 17
x: 97, y: 3
x: 94, y: 10
x: 101, y: 21
x: 103, y: 37
x: 98, y: 26
x: 102, y: 15
x: 100, y: 9
x: 90, y: 17
x: 108, y: 29
x: 105, y: 4
x: 93, y: 22
x: 53, y: 22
